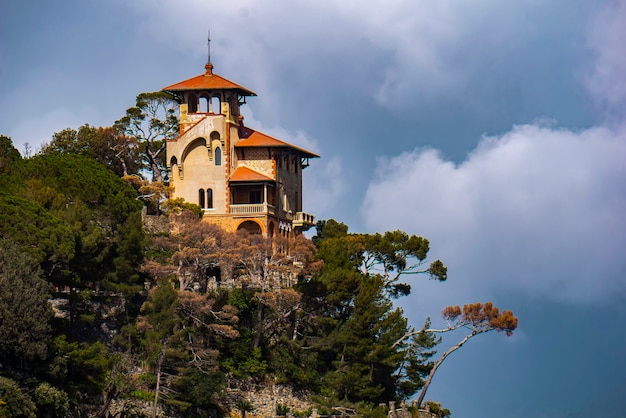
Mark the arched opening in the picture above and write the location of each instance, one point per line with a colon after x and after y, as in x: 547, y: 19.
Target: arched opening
x: 218, y: 156
x: 192, y: 105
x: 209, y: 198
x: 215, y: 105
x: 193, y: 145
x: 203, y: 105
x: 174, y: 169
x: 250, y: 227
x: 173, y: 162
x: 201, y: 201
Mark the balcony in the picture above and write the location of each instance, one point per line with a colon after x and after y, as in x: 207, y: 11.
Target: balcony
x: 247, y: 209
x: 303, y: 220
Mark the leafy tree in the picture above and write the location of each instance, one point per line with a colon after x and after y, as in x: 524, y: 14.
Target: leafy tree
x: 88, y: 365
x: 389, y: 255
x: 8, y: 153
x: 477, y: 317
x: 328, y: 229
x: 25, y: 313
x: 51, y: 402
x: 38, y: 232
x: 181, y: 331
x: 155, y: 196
x: 120, y: 153
x: 186, y: 252
x: 355, y: 324
x: 152, y: 121
x: 98, y: 208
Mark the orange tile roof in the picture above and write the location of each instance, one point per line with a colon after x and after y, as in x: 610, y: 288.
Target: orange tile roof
x: 247, y: 174
x: 251, y: 138
x: 208, y: 81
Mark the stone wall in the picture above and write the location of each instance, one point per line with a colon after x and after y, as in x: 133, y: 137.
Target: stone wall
x: 265, y: 400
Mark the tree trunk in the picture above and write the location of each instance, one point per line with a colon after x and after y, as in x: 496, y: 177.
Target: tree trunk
x: 259, y: 328
x: 158, y: 382
x: 452, y: 349
x: 152, y: 162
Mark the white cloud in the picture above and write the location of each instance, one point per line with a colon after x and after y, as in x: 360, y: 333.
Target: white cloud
x: 536, y: 210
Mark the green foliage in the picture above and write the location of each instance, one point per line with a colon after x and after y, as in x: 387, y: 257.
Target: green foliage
x: 353, y: 325
x: 25, y: 314
x: 194, y: 393
x: 436, y: 409
x: 417, y: 363
x: 81, y: 218
x: 88, y: 365
x: 199, y: 387
x: 141, y: 395
x: 329, y: 229
x: 178, y: 205
x: 335, y: 334
x: 289, y: 364
x: 108, y: 146
x: 281, y: 409
x: 305, y: 413
x: 51, y: 402
x: 151, y: 122
x: 35, y: 230
x: 8, y: 154
x: 244, y: 406
x: 17, y: 404
x: 242, y: 360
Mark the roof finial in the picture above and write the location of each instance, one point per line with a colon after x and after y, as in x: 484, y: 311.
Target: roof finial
x: 209, y: 66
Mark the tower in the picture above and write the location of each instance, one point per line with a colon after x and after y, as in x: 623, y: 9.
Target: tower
x: 241, y: 178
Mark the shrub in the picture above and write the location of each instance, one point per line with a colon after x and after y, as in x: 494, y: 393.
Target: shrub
x: 51, y: 402
x: 16, y: 403
x: 281, y: 410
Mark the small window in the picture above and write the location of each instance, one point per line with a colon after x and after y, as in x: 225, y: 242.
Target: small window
x: 218, y: 156
x: 201, y: 198
x: 209, y: 198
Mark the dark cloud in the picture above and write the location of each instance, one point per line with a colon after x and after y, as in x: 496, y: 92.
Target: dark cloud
x: 520, y: 214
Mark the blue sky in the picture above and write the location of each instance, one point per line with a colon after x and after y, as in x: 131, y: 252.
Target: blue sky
x: 493, y: 128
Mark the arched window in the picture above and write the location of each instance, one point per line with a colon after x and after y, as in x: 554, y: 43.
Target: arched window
x: 193, y: 103
x: 201, y: 198
x: 215, y: 105
x: 209, y: 198
x: 203, y: 105
x: 218, y: 156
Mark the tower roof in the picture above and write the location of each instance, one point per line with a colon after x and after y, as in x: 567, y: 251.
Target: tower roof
x: 251, y: 138
x: 208, y: 81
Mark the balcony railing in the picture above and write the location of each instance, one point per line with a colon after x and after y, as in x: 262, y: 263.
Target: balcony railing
x: 252, y: 209
x: 303, y: 219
